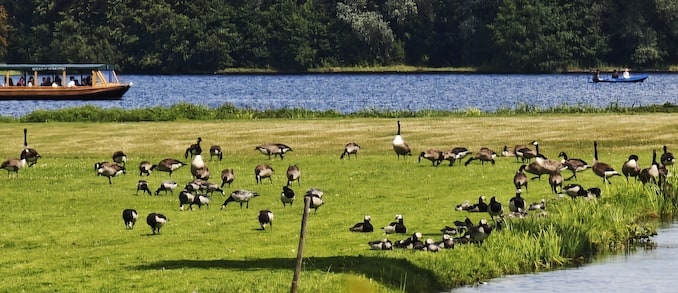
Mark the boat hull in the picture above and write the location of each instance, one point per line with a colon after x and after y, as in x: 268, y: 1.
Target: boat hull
x: 107, y: 92
x: 633, y: 78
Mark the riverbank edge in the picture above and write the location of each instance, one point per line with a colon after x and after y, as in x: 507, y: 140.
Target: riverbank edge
x: 405, y: 69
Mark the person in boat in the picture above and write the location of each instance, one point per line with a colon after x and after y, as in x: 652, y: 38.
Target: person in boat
x: 21, y: 82
x: 626, y: 73
x: 31, y: 81
x: 615, y: 74
x: 596, y: 76
x: 71, y: 83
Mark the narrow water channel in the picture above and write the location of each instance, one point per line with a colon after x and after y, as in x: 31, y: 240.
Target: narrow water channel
x: 644, y: 270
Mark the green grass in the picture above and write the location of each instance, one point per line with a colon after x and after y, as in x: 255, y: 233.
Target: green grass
x: 63, y: 230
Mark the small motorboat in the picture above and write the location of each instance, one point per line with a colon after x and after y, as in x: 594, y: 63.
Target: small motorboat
x: 632, y: 78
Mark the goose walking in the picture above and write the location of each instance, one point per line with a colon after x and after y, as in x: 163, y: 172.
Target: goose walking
x: 601, y: 169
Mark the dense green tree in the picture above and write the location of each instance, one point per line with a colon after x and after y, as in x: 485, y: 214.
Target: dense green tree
x: 204, y: 36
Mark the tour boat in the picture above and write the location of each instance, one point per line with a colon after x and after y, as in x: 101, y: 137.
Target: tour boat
x: 61, y: 82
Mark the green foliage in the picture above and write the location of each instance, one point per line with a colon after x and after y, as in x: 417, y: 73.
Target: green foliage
x: 207, y: 36
x: 227, y: 111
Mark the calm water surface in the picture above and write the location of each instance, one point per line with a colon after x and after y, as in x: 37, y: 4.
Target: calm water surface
x: 350, y: 93
x: 642, y: 271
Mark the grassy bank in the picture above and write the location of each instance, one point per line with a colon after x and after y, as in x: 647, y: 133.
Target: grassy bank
x: 63, y: 230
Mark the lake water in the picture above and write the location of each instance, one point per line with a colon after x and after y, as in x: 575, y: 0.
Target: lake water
x: 354, y: 92
x: 651, y: 270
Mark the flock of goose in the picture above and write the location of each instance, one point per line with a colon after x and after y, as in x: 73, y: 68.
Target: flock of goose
x: 198, y: 191
x: 533, y: 162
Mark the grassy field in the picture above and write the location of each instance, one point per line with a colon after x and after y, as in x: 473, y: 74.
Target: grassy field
x: 63, y: 229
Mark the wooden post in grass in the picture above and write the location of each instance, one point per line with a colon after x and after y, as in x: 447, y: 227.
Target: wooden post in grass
x: 300, y: 249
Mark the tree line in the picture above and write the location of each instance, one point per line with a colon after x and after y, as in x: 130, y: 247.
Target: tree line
x: 205, y: 36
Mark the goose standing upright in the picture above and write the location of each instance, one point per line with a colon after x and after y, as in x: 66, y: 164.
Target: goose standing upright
x: 601, y: 169
x: 31, y: 155
x: 667, y: 158
x: 520, y: 179
x: 400, y: 146
x: 631, y: 168
x: 193, y: 149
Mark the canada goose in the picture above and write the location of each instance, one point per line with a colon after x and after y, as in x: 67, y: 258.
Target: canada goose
x: 364, y: 226
x: 520, y: 179
x: 29, y: 154
x: 350, y: 148
x: 410, y: 242
x: 275, y: 149
x: 262, y: 171
x: 156, y: 221
x: 480, y: 207
x: 265, y: 218
x: 186, y: 197
x: 495, y: 208
x: 573, y: 164
x: 145, y: 167
x: 506, y: 152
x: 480, y: 232
x: 169, y: 165
x: 383, y: 244
x: 287, y: 196
x: 446, y: 242
x: 574, y: 190
x: 193, y: 149
x: 549, y: 165
x: 525, y: 153
x: 129, y: 217
x: 517, y: 203
x: 143, y: 186
x: 667, y: 158
x: 293, y: 174
x: 484, y: 155
x: 398, y: 226
x: 200, y: 200
x: 240, y: 196
x: 110, y: 170
x: 202, y: 174
x: 463, y: 206
x: 165, y: 186
x: 400, y: 146
x: 215, y: 151
x: 536, y: 169
x: 631, y: 168
x: 211, y: 188
x: 556, y: 180
x: 316, y: 196
x: 120, y: 158
x: 433, y: 155
x: 460, y: 152
x: 13, y: 164
x: 227, y: 177
x: 652, y: 173
x: 601, y: 169
x: 538, y: 205
x: 198, y: 167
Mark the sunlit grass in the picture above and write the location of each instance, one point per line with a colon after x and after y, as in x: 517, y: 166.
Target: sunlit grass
x: 63, y: 230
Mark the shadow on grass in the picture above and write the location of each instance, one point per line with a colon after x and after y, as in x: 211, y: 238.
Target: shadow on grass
x: 394, y: 273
